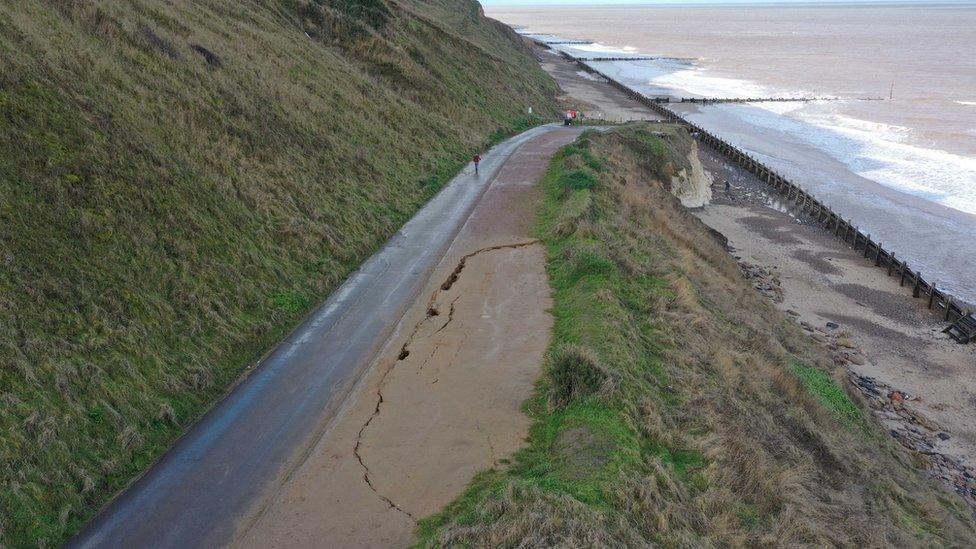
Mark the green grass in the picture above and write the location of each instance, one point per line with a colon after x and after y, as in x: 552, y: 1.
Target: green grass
x: 169, y: 215
x: 821, y: 385
x: 677, y: 407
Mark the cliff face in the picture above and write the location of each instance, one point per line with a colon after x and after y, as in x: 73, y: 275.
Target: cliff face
x: 181, y: 182
x: 692, y: 185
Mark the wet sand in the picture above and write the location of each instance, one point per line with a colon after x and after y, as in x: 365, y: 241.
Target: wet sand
x: 443, y: 400
x: 822, y: 280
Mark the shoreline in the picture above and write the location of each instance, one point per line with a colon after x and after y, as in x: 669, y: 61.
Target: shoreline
x: 931, y: 236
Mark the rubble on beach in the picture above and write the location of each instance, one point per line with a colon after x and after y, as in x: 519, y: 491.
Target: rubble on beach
x: 916, y: 432
x: 763, y: 279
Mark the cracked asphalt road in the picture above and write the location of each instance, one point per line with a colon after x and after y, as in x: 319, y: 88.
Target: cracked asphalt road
x: 443, y: 400
x: 222, y: 480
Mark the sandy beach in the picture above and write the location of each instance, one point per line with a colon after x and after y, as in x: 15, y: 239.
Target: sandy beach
x: 918, y: 381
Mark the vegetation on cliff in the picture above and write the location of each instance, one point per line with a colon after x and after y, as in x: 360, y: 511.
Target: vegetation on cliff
x: 678, y: 407
x: 181, y: 181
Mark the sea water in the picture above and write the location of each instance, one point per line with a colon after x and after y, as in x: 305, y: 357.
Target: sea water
x: 902, y: 167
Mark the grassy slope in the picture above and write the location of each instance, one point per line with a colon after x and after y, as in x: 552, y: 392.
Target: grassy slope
x: 678, y: 407
x: 165, y: 217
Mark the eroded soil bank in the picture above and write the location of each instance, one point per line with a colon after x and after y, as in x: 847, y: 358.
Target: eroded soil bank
x: 442, y: 401
x: 890, y: 344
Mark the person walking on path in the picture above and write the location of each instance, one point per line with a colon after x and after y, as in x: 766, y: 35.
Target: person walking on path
x: 476, y: 160
x: 728, y: 189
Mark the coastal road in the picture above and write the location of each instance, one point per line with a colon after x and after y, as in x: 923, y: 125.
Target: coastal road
x: 219, y: 475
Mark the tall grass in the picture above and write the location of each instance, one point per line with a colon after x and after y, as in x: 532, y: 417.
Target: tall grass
x: 677, y: 407
x: 181, y: 181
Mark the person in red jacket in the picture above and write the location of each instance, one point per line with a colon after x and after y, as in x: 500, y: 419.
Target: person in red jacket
x: 476, y: 160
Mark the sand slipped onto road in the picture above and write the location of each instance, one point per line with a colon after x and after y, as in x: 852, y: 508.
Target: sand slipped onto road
x: 443, y: 400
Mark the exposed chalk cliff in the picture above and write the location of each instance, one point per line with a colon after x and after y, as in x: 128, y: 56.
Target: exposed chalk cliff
x: 693, y: 185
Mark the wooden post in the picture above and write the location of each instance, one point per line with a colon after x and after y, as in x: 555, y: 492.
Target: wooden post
x: 948, y: 306
x: 877, y: 256
x: 891, y: 262
x: 904, y: 265
x: 931, y: 294
x: 918, y: 283
x: 867, y: 245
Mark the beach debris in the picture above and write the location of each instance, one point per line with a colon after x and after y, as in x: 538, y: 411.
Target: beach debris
x: 764, y: 280
x: 916, y: 432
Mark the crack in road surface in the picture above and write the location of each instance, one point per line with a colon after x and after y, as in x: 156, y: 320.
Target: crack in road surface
x: 450, y: 314
x: 432, y: 311
x: 452, y: 278
x: 359, y: 439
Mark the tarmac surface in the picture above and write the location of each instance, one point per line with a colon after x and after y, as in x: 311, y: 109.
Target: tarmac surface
x: 221, y: 475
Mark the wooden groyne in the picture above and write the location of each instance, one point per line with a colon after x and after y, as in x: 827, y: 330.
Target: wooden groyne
x: 533, y: 37
x: 709, y: 100
x: 583, y: 62
x: 808, y: 204
x: 634, y: 58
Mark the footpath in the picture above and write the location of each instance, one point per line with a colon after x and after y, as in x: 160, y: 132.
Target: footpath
x: 289, y: 421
